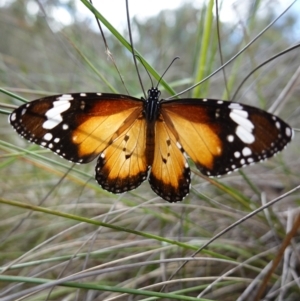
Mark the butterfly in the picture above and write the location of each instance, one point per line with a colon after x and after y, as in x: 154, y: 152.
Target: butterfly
x: 139, y: 139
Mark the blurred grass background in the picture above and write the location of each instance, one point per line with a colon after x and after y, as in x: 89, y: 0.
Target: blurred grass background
x: 124, y: 241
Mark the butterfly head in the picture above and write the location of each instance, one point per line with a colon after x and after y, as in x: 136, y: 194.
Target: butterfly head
x: 153, y: 94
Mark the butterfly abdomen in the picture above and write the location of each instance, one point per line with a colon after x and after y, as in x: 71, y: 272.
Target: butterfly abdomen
x: 150, y: 141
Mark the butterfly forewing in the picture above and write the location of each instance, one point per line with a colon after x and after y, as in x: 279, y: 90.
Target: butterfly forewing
x: 221, y: 136
x: 78, y: 127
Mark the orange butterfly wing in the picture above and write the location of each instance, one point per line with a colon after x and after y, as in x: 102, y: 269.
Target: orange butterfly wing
x: 221, y: 136
x: 75, y: 126
x: 170, y: 173
x: 122, y: 165
x: 82, y: 126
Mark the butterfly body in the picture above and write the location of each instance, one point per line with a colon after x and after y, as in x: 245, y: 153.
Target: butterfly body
x: 135, y: 139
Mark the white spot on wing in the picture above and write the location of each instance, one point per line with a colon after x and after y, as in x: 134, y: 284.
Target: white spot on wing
x: 235, y: 106
x: 237, y: 154
x: 241, y: 118
x: 13, y: 117
x: 245, y: 126
x: 230, y: 138
x: 244, y: 135
x: 54, y: 117
x: 246, y: 151
x: 178, y: 145
x: 288, y: 132
x: 48, y: 136
x: 65, y: 97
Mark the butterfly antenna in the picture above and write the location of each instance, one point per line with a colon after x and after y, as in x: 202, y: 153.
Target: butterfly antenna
x: 139, y: 58
x: 176, y: 58
x: 132, y: 48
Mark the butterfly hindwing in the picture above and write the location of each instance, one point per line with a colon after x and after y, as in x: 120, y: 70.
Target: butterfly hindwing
x: 221, y: 136
x: 170, y: 173
x: 122, y: 165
